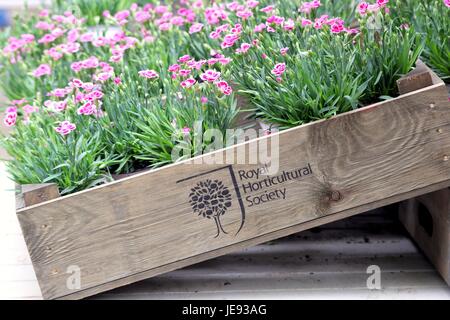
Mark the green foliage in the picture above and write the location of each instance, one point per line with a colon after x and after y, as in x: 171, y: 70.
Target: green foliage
x: 74, y: 162
x: 326, y: 74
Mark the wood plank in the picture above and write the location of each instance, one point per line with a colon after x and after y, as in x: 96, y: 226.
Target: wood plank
x: 32, y: 194
x: 427, y: 219
x: 144, y: 225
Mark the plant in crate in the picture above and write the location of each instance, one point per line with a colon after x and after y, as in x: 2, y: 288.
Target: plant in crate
x: 330, y: 70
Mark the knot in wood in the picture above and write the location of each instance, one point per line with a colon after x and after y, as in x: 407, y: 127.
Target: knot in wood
x: 334, y: 195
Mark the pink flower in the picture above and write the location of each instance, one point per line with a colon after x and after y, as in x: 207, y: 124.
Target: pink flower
x: 308, y: 6
x: 337, y: 28
x: 275, y: 19
x: 196, y: 27
x: 43, y: 13
x: 244, y: 48
x: 289, y: 25
x: 28, y: 109
x: 42, y: 25
x: 252, y: 3
x: 94, y: 95
x: 142, y: 16
x: 188, y: 83
x: 186, y: 131
x: 122, y: 15
x: 149, y: 74
x: 88, y: 86
x: 184, y: 58
x: 279, y: 69
x: 117, y: 80
x: 447, y: 3
x: 382, y: 3
x: 28, y: 38
x: 43, y: 69
x: 60, y: 92
x: 87, y: 37
x: 54, y: 53
x: 76, y: 83
x: 90, y: 63
x: 174, y: 68
x: 284, y: 51
x: 244, y: 14
x: 10, y: 119
x: 103, y: 76
x: 224, y: 87
x: 270, y: 29
x: 56, y: 106
x: 306, y: 22
x: 210, y: 75
x: 47, y: 38
x: 177, y: 21
x: 165, y: 26
x: 214, y: 35
x: 88, y: 109
x: 185, y: 72
x: 11, y: 110
x: 65, y: 128
x: 362, y: 8
x: 204, y: 100
x: 260, y: 27
x: 224, y: 61
x: 268, y: 9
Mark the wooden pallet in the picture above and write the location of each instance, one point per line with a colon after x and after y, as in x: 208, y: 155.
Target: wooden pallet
x: 147, y: 224
x: 427, y: 219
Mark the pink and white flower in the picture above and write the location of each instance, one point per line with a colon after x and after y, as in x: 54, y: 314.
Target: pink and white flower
x: 184, y: 58
x: 224, y: 87
x: 188, y: 83
x: 10, y: 117
x: 149, y: 74
x: 210, y: 75
x: 65, y: 128
x: 279, y: 69
x: 42, y: 70
x: 87, y: 109
x: 196, y: 27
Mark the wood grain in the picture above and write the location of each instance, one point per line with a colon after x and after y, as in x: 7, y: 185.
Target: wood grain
x: 144, y: 225
x: 32, y: 194
x: 433, y: 235
x: 420, y: 77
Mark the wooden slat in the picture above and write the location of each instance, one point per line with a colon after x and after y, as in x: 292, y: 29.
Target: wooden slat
x: 143, y: 225
x: 419, y: 78
x: 427, y: 219
x: 32, y: 194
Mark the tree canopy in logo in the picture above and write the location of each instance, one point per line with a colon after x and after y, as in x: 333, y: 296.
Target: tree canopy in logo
x: 211, y: 199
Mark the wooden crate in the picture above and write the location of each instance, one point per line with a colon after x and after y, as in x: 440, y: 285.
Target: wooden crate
x: 149, y: 224
x: 427, y: 219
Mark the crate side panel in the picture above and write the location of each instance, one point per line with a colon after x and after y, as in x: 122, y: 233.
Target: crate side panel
x: 148, y: 221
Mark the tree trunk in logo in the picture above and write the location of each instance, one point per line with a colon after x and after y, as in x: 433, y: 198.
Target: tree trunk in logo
x: 211, y: 199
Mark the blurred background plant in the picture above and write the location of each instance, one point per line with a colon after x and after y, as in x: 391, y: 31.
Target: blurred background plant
x: 431, y: 19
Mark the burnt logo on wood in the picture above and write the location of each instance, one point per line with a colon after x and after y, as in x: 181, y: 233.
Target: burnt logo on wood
x: 211, y: 199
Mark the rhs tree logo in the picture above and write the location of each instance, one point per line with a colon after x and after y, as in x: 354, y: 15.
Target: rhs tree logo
x: 211, y: 199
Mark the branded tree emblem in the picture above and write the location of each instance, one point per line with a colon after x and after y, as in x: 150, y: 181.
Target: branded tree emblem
x: 211, y: 199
